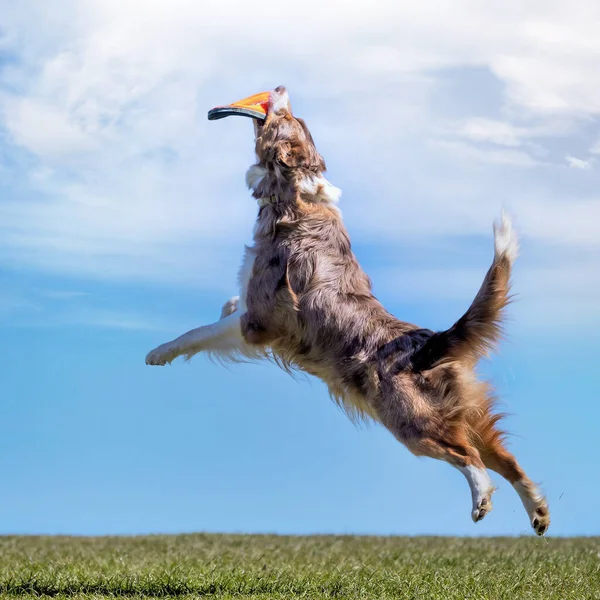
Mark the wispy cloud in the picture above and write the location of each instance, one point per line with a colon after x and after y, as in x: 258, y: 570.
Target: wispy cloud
x: 24, y: 306
x: 506, y: 133
x: 15, y: 303
x: 562, y: 294
x: 107, y: 319
x: 62, y: 294
x: 471, y: 153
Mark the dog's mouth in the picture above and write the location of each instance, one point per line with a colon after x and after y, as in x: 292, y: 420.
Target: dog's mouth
x: 255, y: 107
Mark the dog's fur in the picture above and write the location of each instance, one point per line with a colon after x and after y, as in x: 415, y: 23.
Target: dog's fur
x: 305, y: 302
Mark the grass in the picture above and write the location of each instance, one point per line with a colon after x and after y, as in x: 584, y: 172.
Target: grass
x: 230, y: 566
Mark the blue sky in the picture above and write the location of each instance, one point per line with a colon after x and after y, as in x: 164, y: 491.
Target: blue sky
x: 123, y: 213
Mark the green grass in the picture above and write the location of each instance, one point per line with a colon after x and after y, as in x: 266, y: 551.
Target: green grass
x: 228, y: 566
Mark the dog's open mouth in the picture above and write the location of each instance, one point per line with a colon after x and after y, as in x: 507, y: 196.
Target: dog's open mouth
x: 255, y: 107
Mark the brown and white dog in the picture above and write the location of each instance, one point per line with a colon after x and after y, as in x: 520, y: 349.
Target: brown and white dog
x: 306, y: 303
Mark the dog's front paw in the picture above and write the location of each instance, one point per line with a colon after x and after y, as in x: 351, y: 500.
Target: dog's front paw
x: 165, y: 353
x: 230, y: 307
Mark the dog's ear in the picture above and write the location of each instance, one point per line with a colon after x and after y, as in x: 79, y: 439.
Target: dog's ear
x: 294, y: 146
x: 292, y: 154
x: 315, y: 160
x: 285, y: 140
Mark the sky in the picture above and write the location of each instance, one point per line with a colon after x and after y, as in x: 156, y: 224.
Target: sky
x: 123, y: 216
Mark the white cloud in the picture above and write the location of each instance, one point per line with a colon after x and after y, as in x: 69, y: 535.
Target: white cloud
x: 490, y: 130
x: 114, y: 171
x: 579, y: 163
x: 44, y: 130
x: 506, y: 133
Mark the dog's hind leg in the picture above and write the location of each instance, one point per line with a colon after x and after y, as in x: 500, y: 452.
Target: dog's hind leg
x: 497, y: 458
x: 451, y: 445
x: 489, y: 439
x: 427, y: 427
x: 456, y: 450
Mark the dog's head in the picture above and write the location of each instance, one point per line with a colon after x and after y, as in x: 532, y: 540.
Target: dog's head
x: 283, y: 140
x: 289, y: 167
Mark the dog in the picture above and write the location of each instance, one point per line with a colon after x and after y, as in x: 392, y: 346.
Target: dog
x: 305, y: 303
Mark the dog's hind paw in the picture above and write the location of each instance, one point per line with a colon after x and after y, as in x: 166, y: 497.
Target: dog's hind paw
x: 540, y: 519
x: 535, y: 504
x: 483, y: 508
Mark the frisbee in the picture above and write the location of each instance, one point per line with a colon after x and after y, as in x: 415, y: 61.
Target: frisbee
x: 255, y: 107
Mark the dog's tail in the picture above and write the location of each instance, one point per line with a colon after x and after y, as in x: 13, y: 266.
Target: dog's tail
x: 480, y: 328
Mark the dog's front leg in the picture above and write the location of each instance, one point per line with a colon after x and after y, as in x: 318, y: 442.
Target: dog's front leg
x: 230, y: 307
x: 222, y: 338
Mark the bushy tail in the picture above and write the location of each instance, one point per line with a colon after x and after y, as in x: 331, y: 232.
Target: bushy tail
x: 480, y: 328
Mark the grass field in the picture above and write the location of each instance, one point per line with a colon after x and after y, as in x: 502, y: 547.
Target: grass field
x: 228, y: 566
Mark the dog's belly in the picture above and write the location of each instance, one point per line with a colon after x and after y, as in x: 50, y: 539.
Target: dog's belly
x: 351, y: 385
